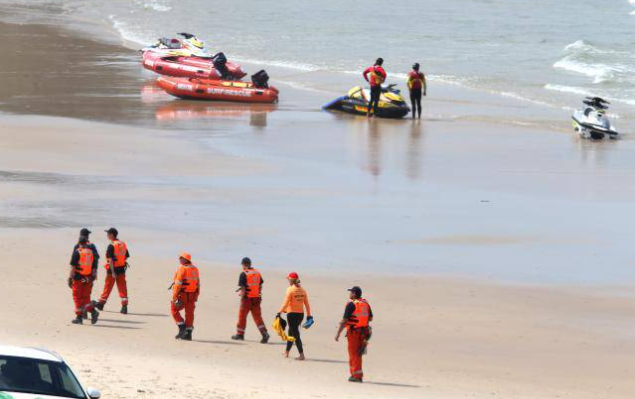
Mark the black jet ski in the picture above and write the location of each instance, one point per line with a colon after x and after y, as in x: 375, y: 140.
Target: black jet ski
x: 391, y: 103
x: 591, y: 120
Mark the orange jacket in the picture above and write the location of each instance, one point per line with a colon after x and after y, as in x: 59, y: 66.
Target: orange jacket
x: 361, y: 315
x: 86, y: 257
x: 254, y: 281
x: 186, y: 279
x: 295, y: 300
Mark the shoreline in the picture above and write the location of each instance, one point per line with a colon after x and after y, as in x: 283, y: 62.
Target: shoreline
x: 312, y: 89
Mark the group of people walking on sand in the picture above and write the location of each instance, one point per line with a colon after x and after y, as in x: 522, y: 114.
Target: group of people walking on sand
x: 375, y: 75
x: 186, y: 288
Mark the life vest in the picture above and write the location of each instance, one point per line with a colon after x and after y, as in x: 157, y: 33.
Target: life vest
x: 86, y: 258
x: 121, y: 250
x: 361, y: 315
x: 253, y: 283
x: 415, y: 80
x: 190, y: 280
x: 376, y: 77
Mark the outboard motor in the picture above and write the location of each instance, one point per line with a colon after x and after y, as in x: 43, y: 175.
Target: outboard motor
x: 260, y: 79
x: 220, y: 64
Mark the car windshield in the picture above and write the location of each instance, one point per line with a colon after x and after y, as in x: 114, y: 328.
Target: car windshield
x: 38, y: 377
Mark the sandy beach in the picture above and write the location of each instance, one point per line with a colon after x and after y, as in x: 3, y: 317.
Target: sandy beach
x: 445, y: 338
x: 494, y: 252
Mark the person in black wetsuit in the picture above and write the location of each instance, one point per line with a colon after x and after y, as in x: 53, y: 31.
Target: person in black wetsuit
x: 417, y: 86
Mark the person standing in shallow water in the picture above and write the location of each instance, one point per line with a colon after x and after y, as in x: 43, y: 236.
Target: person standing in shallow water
x: 417, y: 86
x: 375, y: 75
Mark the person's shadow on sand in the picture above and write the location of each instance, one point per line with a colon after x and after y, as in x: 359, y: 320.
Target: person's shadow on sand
x: 325, y: 361
x: 119, y: 327
x: 203, y: 341
x: 139, y: 314
x: 392, y: 384
x: 122, y: 321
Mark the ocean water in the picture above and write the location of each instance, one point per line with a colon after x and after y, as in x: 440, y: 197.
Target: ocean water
x: 544, y: 51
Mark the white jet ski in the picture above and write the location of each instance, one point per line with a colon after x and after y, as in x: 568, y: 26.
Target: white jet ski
x: 189, y: 46
x: 591, y: 120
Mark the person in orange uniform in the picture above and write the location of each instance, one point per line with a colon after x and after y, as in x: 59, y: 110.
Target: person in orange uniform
x: 375, y: 75
x: 117, y: 256
x: 295, y: 301
x: 80, y: 280
x: 250, y: 290
x: 417, y: 86
x: 357, y: 318
x: 86, y: 233
x: 185, y: 292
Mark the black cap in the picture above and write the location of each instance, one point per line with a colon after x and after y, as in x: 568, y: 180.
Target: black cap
x: 357, y: 291
x: 83, y: 240
x: 112, y: 231
x: 246, y: 262
x: 84, y: 232
x: 379, y: 61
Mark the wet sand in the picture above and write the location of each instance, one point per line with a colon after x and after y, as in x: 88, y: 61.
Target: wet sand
x: 495, y: 255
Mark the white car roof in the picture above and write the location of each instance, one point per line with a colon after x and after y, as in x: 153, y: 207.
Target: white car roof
x: 30, y: 353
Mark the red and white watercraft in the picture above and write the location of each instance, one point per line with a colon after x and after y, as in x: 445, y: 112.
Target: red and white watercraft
x: 217, y: 90
x: 187, y: 67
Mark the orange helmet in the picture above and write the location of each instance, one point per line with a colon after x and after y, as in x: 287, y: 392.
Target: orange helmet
x: 186, y: 256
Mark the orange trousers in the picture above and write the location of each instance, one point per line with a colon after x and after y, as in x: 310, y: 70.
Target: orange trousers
x: 188, y: 303
x: 81, y: 296
x: 250, y: 305
x: 122, y: 287
x: 356, y: 342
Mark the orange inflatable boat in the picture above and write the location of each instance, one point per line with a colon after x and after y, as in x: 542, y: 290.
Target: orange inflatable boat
x: 218, y: 90
x: 188, y: 67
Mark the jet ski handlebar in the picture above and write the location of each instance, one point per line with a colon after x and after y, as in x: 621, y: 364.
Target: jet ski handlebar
x: 391, y: 87
x: 598, y: 100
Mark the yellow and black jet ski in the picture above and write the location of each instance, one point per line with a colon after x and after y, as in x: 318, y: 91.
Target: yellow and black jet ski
x: 391, y: 103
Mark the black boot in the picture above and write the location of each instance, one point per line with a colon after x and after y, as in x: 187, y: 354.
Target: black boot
x: 94, y: 315
x: 98, y: 305
x: 265, y: 338
x: 353, y: 379
x: 181, y: 331
x: 78, y: 320
x: 124, y: 309
x: 188, y: 335
x: 238, y: 337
